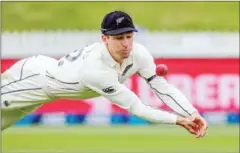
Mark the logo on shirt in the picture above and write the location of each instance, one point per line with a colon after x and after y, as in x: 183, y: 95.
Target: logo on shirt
x: 109, y: 90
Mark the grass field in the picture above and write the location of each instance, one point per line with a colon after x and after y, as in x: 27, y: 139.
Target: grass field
x: 119, y: 139
x: 174, y: 16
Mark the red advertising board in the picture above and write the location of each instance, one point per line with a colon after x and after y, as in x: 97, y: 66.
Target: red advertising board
x: 212, y: 85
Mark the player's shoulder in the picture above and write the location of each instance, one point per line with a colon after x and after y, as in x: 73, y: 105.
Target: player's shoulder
x: 93, y: 53
x: 95, y: 63
x: 140, y: 51
x: 94, y: 48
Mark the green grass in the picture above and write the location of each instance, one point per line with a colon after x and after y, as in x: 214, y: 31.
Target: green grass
x: 174, y: 16
x: 121, y: 139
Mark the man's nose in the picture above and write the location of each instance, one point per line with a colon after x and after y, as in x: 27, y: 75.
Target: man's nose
x: 125, y: 42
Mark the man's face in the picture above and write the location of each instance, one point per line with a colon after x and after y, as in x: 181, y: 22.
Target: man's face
x: 120, y: 45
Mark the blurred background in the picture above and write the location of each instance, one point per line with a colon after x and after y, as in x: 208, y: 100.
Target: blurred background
x: 198, y: 41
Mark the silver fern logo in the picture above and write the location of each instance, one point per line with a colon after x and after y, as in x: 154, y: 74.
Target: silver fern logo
x: 109, y: 90
x: 119, y: 20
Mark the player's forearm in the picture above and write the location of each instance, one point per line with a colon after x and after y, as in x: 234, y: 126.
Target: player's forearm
x: 172, y: 97
x: 152, y: 115
x: 126, y: 99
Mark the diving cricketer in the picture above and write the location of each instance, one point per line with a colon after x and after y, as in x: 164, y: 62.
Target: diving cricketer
x: 99, y: 69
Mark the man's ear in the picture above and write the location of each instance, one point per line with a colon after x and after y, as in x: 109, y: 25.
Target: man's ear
x: 104, y: 38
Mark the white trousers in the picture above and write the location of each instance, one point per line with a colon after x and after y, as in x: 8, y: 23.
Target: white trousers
x: 23, y: 88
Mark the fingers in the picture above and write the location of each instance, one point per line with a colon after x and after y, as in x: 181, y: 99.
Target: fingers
x: 191, y: 130
x: 193, y: 124
x: 204, y: 132
x: 202, y: 125
x: 196, y: 125
x: 196, y: 128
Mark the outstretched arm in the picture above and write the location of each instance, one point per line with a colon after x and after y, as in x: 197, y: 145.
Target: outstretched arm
x: 176, y: 100
x: 172, y: 96
x: 168, y: 94
x: 106, y: 84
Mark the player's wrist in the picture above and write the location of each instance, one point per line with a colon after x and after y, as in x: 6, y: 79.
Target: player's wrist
x: 182, y: 120
x: 179, y: 120
x: 173, y: 119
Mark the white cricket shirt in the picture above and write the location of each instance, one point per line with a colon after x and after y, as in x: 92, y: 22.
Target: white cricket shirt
x: 92, y: 72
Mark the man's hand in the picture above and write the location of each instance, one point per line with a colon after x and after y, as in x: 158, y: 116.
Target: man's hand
x: 201, y: 122
x: 188, y: 124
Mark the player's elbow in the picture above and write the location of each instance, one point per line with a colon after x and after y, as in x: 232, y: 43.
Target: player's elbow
x: 135, y: 109
x: 139, y: 110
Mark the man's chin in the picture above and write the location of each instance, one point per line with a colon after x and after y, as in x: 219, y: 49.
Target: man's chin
x: 125, y: 56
